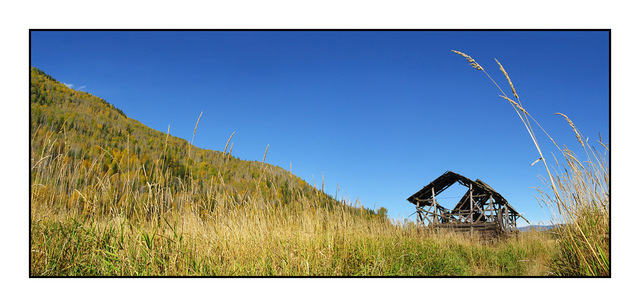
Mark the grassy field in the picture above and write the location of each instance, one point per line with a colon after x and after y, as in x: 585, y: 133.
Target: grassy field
x: 140, y: 219
x: 248, y: 241
x: 103, y: 227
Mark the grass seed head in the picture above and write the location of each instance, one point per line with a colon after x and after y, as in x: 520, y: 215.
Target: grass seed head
x: 513, y: 89
x: 517, y: 105
x: 472, y: 62
x: 573, y: 127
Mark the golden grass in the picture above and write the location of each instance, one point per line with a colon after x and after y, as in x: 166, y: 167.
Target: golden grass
x: 194, y: 134
x: 85, y: 223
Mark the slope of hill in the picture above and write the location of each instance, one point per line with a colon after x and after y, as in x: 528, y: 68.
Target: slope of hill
x: 110, y: 196
x: 103, y: 161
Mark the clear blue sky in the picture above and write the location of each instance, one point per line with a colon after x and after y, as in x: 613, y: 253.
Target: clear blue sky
x: 379, y: 113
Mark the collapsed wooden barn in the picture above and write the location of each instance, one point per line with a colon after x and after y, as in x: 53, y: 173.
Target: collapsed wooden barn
x: 481, y: 208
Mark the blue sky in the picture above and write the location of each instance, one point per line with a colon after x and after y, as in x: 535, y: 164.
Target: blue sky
x: 378, y: 113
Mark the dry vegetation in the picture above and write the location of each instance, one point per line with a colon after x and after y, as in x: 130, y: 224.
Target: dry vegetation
x: 105, y: 228
x: 117, y: 212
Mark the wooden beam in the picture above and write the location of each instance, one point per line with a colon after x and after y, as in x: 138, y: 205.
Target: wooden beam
x: 433, y: 205
x: 471, y: 202
x: 507, y: 218
x: 419, y: 216
x: 426, y: 213
x: 447, y: 215
x: 491, y: 205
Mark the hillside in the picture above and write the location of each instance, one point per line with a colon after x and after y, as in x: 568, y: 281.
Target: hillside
x: 112, y: 197
x: 119, y: 162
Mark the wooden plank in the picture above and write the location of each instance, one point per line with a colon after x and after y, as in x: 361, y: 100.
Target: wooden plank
x: 471, y: 202
x: 422, y: 215
x: 483, y: 209
x: 493, y: 209
x: 442, y: 215
x: 433, y: 205
x: 507, y: 224
x: 426, y: 214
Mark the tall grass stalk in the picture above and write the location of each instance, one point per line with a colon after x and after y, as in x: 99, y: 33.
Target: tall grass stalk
x: 577, y: 190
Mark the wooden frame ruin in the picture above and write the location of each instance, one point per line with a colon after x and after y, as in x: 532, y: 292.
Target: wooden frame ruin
x: 480, y: 208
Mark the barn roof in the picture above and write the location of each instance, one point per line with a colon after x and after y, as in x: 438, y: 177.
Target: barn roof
x: 449, y: 178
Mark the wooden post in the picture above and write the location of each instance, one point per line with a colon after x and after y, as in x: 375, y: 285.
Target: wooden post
x: 506, y: 211
x: 470, y: 217
x: 482, y: 209
x: 511, y: 221
x: 433, y: 205
x: 493, y: 210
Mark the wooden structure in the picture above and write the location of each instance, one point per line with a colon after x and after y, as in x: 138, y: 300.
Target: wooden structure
x: 481, y: 208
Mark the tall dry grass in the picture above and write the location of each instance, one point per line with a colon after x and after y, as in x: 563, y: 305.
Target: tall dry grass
x: 576, y: 191
x: 147, y: 222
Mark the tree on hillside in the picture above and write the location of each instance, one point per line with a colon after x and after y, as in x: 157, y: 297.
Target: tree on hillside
x: 382, y: 212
